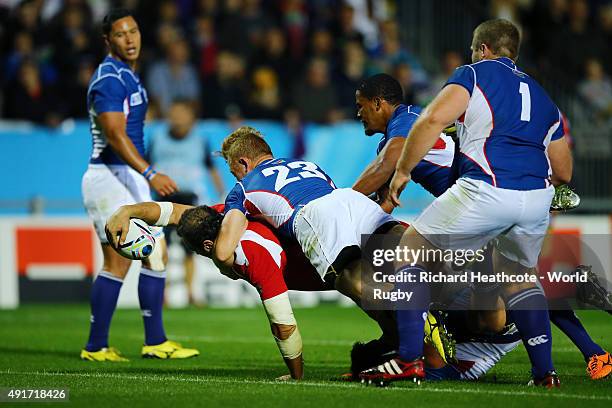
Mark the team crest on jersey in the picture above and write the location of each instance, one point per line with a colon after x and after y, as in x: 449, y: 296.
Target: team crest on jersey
x: 135, y: 99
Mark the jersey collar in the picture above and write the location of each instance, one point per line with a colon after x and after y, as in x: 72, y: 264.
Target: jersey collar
x: 396, y: 112
x: 116, y: 62
x: 507, y: 61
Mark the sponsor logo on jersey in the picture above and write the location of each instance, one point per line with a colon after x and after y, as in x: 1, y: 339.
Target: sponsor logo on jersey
x: 135, y: 99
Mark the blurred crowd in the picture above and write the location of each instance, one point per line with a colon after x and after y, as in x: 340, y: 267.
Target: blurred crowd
x: 293, y: 60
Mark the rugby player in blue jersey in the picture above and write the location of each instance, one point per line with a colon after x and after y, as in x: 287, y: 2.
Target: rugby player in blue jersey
x: 118, y: 175
x: 510, y: 139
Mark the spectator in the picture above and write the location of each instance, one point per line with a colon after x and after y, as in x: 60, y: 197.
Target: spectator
x: 207, y: 46
x: 185, y: 155
x: 227, y: 89
x: 403, y: 73
x: 173, y: 78
x: 266, y: 99
x: 451, y: 60
x: 273, y: 53
x: 596, y: 90
x: 569, y: 51
x: 75, y: 92
x: 295, y: 20
x: 352, y: 72
x: 315, y: 98
x: 28, y: 99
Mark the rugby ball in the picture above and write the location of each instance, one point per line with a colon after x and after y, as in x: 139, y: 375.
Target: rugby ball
x: 139, y: 242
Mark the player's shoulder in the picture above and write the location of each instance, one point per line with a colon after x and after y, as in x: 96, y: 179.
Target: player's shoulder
x: 499, y: 65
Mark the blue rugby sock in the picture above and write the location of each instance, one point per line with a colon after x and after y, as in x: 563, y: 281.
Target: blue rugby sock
x: 411, y: 316
x: 151, y: 286
x: 529, y: 312
x: 568, y: 322
x: 104, y: 294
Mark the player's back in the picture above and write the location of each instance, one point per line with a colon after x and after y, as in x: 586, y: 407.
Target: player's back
x: 114, y: 87
x: 507, y: 126
x: 276, y: 188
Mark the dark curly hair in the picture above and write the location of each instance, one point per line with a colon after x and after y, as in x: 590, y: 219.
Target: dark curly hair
x: 382, y: 86
x: 199, y: 224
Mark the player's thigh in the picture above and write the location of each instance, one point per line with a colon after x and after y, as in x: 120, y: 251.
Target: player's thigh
x: 523, y: 242
x: 466, y: 216
x: 103, y: 193
x: 114, y: 263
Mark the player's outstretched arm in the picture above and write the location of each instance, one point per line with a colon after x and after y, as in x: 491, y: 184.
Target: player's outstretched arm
x: 232, y: 228
x: 286, y: 334
x: 561, y: 162
x: 378, y: 173
x: 114, y: 128
x: 160, y: 214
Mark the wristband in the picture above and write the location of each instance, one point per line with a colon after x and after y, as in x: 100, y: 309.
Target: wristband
x: 165, y: 211
x: 149, y: 173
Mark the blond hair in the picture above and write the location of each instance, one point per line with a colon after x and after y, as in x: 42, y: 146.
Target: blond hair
x: 245, y: 142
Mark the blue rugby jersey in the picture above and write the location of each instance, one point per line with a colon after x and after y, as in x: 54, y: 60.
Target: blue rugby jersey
x: 509, y: 122
x: 276, y: 189
x: 434, y: 171
x: 114, y: 87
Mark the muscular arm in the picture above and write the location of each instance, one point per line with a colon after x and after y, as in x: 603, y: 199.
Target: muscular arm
x: 114, y: 128
x: 233, y: 226
x: 118, y: 224
x: 378, y: 173
x: 561, y: 162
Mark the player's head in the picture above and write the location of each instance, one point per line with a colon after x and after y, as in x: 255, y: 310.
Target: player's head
x: 244, y: 149
x: 181, y: 118
x: 376, y: 99
x: 495, y: 38
x: 199, y: 227
x: 122, y: 35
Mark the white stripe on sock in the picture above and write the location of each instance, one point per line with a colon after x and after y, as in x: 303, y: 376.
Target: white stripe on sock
x: 108, y: 275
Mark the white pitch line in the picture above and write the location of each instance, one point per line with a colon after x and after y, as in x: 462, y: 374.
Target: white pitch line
x: 316, y: 384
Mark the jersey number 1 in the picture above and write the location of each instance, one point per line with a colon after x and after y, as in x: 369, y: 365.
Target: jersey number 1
x: 525, y: 102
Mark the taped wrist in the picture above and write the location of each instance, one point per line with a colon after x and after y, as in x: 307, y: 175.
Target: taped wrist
x: 279, y: 311
x: 165, y: 211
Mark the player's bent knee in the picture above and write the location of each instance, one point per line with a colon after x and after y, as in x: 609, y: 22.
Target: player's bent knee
x: 282, y: 331
x: 114, y: 263
x: 290, y: 344
x: 159, y: 257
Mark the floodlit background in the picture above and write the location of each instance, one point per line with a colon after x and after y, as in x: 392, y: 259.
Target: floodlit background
x: 287, y: 67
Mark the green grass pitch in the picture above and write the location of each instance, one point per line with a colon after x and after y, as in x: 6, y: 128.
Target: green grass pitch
x: 39, y: 347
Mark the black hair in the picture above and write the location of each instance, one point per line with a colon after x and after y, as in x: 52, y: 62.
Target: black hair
x: 112, y: 16
x: 382, y: 86
x: 199, y: 224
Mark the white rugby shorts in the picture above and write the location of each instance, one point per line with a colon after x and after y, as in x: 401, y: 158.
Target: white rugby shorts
x: 472, y: 213
x: 327, y: 225
x: 105, y: 188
